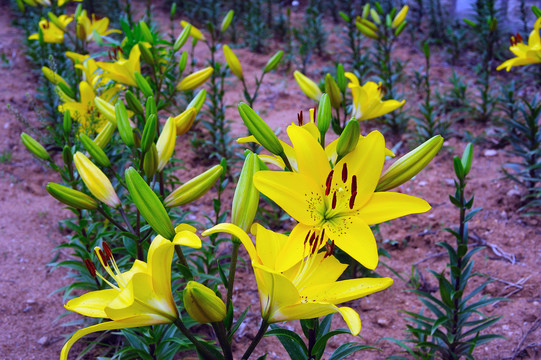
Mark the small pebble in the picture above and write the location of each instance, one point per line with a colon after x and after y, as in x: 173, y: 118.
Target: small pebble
x: 43, y: 340
x: 422, y: 183
x: 490, y: 153
x: 383, y: 322
x: 513, y: 192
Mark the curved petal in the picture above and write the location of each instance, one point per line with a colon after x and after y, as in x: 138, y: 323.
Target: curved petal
x: 318, y: 270
x: 185, y: 227
x: 298, y: 194
x: 346, y: 290
x: 384, y: 206
x: 385, y: 107
x: 268, y: 245
x: 354, y: 236
x: 187, y: 238
x: 293, y: 250
x: 275, y: 291
x: 92, y: 303
x: 311, y: 158
x: 306, y: 310
x: 352, y: 319
x: 160, y: 256
x: 239, y: 233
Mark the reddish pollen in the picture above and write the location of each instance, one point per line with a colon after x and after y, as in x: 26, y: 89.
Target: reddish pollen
x: 306, y: 238
x: 91, y: 268
x: 352, y: 200
x: 354, y: 184
x: 330, y: 249
x: 328, y: 183
x: 299, y: 118
x: 519, y: 38
x: 103, y: 256
x: 344, y: 172
x: 107, y: 251
x: 334, y: 200
x: 312, y: 238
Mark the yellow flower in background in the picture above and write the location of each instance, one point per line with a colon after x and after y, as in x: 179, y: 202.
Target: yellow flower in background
x: 86, y: 27
x: 308, y: 86
x: 142, y: 295
x: 184, y: 121
x: 194, y: 32
x: 166, y: 143
x: 51, y: 33
x: 195, y: 79
x: 233, y: 62
x: 123, y: 70
x: 367, y: 100
x: 85, y: 111
x: 306, y: 289
x: 525, y: 54
x: 337, y: 203
x: 95, y: 180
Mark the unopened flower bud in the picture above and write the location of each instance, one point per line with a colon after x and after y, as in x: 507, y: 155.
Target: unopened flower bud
x: 410, y: 164
x: 34, y: 147
x: 308, y: 87
x: 123, y: 123
x: 194, y: 188
x: 260, y: 130
x: 105, y: 109
x: 53, y: 77
x: 233, y: 62
x: 185, y: 121
x: 182, y: 61
x: 332, y: 90
x: 71, y: 197
x: 182, y: 38
x: 145, y: 32
x: 166, y: 143
x: 96, y: 181
x: 134, y: 103
x: 146, y: 54
x: 150, y: 107
x: 67, y: 123
x: 227, y: 21
x: 143, y: 84
x: 149, y: 133
x: 375, y: 16
x: 67, y: 155
x: 348, y: 139
x: 366, y: 10
x: 202, y: 304
x: 324, y: 115
x: 366, y: 30
x: 400, y: 28
x: 246, y: 198
x: 400, y: 17
x: 344, y: 16
x: 95, y: 151
x: 64, y: 87
x: 195, y: 79
x: 148, y: 203
x: 198, y: 101
x: 194, y: 32
x: 273, y: 62
x: 150, y: 161
x: 105, y: 135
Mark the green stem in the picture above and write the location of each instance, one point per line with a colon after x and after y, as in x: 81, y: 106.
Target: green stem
x: 101, y: 211
x: 262, y: 330
x: 221, y: 334
x: 182, y: 259
x: 200, y: 347
x: 232, y: 270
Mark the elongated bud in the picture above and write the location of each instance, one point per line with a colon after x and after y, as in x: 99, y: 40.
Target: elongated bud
x: 133, y: 103
x: 166, y: 143
x: 123, y: 123
x: 198, y: 101
x: 194, y: 188
x: 400, y: 17
x: 20, y: 6
x: 67, y: 155
x: 388, y: 21
x: 426, y: 49
x: 467, y: 158
x: 150, y: 107
x: 344, y: 16
x: 143, y: 84
x: 53, y: 77
x: 227, y: 21
x: 308, y: 87
x: 67, y: 123
x: 202, y: 304
x: 34, y: 147
x: 469, y: 22
x: 365, y: 30
x: 185, y: 121
x: 324, y: 115
x: 95, y: 151
x: 366, y: 10
x: 246, y: 198
x: 375, y: 16
x: 80, y: 31
x: 332, y: 90
x: 146, y: 54
x: 182, y: 38
x: 348, y: 139
x: 66, y: 89
x: 105, y: 109
x: 105, y: 135
x: 341, y: 80
x: 150, y: 161
x: 260, y: 130
x: 194, y: 32
x: 182, y: 61
x: 194, y: 80
x: 273, y: 62
x: 410, y: 164
x: 400, y: 28
x: 149, y: 204
x: 145, y: 32
x: 536, y: 11
x: 173, y: 11
x: 149, y: 132
x: 233, y: 62
x: 96, y: 181
x: 71, y: 197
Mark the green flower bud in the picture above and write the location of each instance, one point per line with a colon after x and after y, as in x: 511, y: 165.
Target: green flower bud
x: 202, y: 304
x: 400, y: 28
x: 198, y: 101
x: 146, y: 54
x: 149, y: 133
x: 67, y: 123
x: 246, y: 198
x: 367, y: 31
x: 348, y: 139
x: 150, y: 161
x: 182, y: 62
x: 66, y: 89
x: 149, y: 204
x: 467, y: 158
x: 145, y: 32
x: 375, y: 16
x: 388, y: 21
x: 341, y: 80
x: 331, y: 88
x: 123, y: 122
x: 410, y: 164
x: 143, y: 84
x: 105, y: 135
x: 67, y: 155
x: 260, y: 130
x: 182, y: 38
x: 71, y: 197
x: 105, y: 109
x: 227, y: 21
x: 344, y: 16
x: 469, y: 22
x: 133, y: 103
x: 426, y: 49
x: 194, y: 188
x: 150, y: 107
x: 536, y: 11
x: 54, y: 19
x: 324, y: 115
x: 273, y: 62
x: 366, y: 10
x: 173, y: 10
x: 20, y: 5
x: 35, y: 147
x: 95, y: 151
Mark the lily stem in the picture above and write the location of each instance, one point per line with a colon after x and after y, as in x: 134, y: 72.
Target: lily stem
x: 101, y: 211
x: 200, y: 347
x: 182, y: 259
x: 219, y: 329
x: 262, y: 330
x: 232, y: 270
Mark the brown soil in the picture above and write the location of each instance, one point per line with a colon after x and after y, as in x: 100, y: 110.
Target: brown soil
x: 28, y: 224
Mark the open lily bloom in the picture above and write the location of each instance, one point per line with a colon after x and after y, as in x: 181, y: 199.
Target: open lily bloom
x: 367, y: 103
x: 525, y: 54
x: 306, y: 290
x: 87, y: 26
x: 141, y: 297
x: 52, y: 33
x: 123, y: 70
x: 337, y: 203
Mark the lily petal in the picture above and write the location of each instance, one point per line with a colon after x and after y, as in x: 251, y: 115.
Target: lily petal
x: 346, y: 290
x: 239, y: 233
x: 92, y: 303
x: 275, y: 292
x: 268, y: 244
x: 384, y: 206
x: 311, y: 158
x: 352, y: 319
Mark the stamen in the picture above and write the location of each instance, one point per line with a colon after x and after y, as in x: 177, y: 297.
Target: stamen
x: 352, y: 200
x: 306, y: 239
x: 330, y: 249
x: 101, y: 257
x: 328, y: 183
x: 323, y: 234
x: 91, y: 268
x: 315, y: 115
x: 107, y: 251
x: 334, y: 200
x: 344, y: 172
x: 519, y: 38
x: 299, y: 118
x: 315, y: 247
x: 354, y: 184
x: 311, y: 242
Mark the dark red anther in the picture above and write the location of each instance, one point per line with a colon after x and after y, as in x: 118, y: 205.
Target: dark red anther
x: 299, y: 118
x: 312, y: 238
x: 344, y: 172
x: 103, y: 257
x: 334, y: 200
x: 315, y: 115
x: 352, y: 200
x: 519, y: 38
x: 323, y: 234
x: 107, y: 251
x: 306, y: 238
x: 314, y: 247
x: 354, y: 184
x: 91, y: 268
x: 330, y: 249
x: 328, y: 183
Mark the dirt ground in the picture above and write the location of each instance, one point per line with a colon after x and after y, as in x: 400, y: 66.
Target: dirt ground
x: 30, y: 328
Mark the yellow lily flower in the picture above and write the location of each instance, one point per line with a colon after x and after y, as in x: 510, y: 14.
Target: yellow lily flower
x: 367, y: 103
x: 194, y: 32
x: 337, y: 203
x: 86, y: 27
x: 95, y: 180
x: 85, y: 111
x: 306, y: 290
x: 307, y: 85
x: 123, y: 70
x: 142, y: 295
x: 525, y: 54
x: 51, y: 33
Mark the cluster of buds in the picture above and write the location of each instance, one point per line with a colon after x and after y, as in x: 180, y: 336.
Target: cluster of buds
x: 394, y: 21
